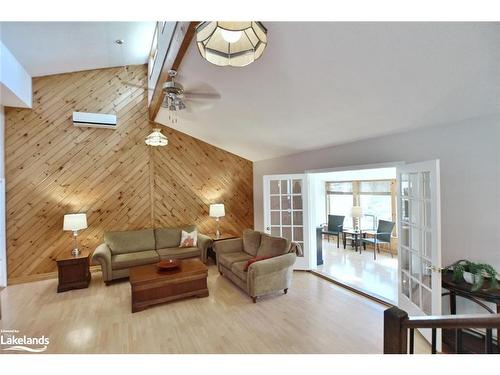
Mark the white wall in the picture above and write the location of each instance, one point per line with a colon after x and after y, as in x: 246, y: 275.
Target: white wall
x: 470, y: 174
x: 15, y: 82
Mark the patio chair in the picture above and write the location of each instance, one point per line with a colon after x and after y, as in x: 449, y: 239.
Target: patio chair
x: 335, y: 227
x: 383, y: 235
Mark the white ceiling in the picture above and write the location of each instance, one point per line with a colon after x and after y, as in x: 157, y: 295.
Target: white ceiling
x: 45, y: 48
x: 322, y: 84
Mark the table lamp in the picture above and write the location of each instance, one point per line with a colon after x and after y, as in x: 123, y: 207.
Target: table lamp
x: 217, y: 211
x: 356, y: 213
x: 74, y: 223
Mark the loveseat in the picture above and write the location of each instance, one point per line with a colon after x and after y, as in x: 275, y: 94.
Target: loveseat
x: 122, y: 250
x: 262, y: 276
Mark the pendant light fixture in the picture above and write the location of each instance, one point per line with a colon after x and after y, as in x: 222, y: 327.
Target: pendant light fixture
x: 156, y: 138
x: 231, y: 43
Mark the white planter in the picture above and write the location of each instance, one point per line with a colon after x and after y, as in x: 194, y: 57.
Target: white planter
x: 469, y: 277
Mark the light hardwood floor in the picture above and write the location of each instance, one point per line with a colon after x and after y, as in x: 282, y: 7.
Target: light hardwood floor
x: 376, y: 277
x: 315, y: 316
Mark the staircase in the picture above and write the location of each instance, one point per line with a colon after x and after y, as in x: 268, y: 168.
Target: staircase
x: 399, y: 330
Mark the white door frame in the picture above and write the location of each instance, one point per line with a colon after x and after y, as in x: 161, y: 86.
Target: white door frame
x: 356, y: 167
x: 302, y: 263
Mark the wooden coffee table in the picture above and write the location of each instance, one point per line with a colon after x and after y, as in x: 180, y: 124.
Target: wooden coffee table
x: 151, y: 287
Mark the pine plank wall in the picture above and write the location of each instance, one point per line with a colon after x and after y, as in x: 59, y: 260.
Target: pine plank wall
x: 53, y: 168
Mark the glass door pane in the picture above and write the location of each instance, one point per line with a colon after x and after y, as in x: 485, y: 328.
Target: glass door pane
x: 419, y: 248
x: 286, y: 211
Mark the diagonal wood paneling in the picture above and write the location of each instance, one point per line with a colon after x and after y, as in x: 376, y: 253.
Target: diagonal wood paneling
x: 53, y: 168
x: 191, y: 174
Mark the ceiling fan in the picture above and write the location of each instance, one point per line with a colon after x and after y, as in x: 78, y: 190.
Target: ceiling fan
x: 178, y: 99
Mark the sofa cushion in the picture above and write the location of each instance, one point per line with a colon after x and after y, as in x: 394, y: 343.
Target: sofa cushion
x: 251, y: 241
x: 179, y: 252
x: 130, y: 241
x: 227, y: 259
x: 272, y: 246
x: 238, y: 268
x: 170, y: 237
x: 121, y: 261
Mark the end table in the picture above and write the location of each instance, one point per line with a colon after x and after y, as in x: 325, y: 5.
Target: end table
x: 355, y: 235
x: 223, y: 236
x: 73, y: 271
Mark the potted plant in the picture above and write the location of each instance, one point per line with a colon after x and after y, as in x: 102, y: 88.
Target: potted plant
x: 474, y: 273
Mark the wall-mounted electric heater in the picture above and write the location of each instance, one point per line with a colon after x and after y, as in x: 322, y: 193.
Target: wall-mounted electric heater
x: 94, y: 120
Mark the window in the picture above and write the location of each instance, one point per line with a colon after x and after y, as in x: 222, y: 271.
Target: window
x: 154, y: 51
x: 340, y: 199
x: 376, y: 198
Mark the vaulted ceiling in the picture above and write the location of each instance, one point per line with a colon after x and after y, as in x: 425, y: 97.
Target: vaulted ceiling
x: 45, y: 48
x: 326, y: 83
x: 317, y: 85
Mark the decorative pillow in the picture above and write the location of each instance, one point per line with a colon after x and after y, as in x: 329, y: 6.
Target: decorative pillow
x: 189, y: 239
x: 253, y: 260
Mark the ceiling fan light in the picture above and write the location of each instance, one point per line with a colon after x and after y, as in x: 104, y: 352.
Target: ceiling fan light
x: 231, y: 43
x: 164, y: 103
x: 156, y: 138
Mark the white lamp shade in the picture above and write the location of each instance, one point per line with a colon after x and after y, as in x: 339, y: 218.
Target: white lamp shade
x: 156, y: 138
x: 356, y: 211
x: 75, y: 222
x: 217, y: 210
x: 231, y: 43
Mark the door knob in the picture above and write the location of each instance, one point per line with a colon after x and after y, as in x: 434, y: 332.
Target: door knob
x: 434, y: 268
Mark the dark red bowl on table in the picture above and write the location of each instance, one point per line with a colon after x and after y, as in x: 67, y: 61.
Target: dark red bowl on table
x: 168, y: 264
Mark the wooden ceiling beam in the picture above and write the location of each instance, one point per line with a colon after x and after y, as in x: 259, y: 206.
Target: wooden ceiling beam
x: 183, y: 34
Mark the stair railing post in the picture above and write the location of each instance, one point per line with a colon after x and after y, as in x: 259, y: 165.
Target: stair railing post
x: 395, y: 332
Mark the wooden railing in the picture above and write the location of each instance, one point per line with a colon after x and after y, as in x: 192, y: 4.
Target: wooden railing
x: 399, y: 329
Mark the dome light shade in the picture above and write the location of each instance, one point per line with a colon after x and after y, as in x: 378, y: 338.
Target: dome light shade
x: 231, y: 43
x: 231, y: 36
x: 156, y: 138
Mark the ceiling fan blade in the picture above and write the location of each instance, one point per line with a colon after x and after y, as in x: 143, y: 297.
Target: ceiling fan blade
x: 200, y: 95
x: 195, y: 106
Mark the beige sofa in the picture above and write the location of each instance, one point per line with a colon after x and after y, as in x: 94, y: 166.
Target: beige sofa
x: 122, y: 250
x: 264, y: 276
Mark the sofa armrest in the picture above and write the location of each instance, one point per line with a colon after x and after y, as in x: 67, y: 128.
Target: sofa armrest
x: 204, y: 242
x: 102, y: 255
x: 270, y: 275
x: 228, y: 246
x: 275, y: 264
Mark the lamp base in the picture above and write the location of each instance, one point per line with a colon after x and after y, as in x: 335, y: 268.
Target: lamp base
x: 217, y: 232
x: 75, y: 252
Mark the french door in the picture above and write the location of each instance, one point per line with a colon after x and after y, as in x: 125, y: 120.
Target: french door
x: 419, y: 245
x: 285, y: 211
